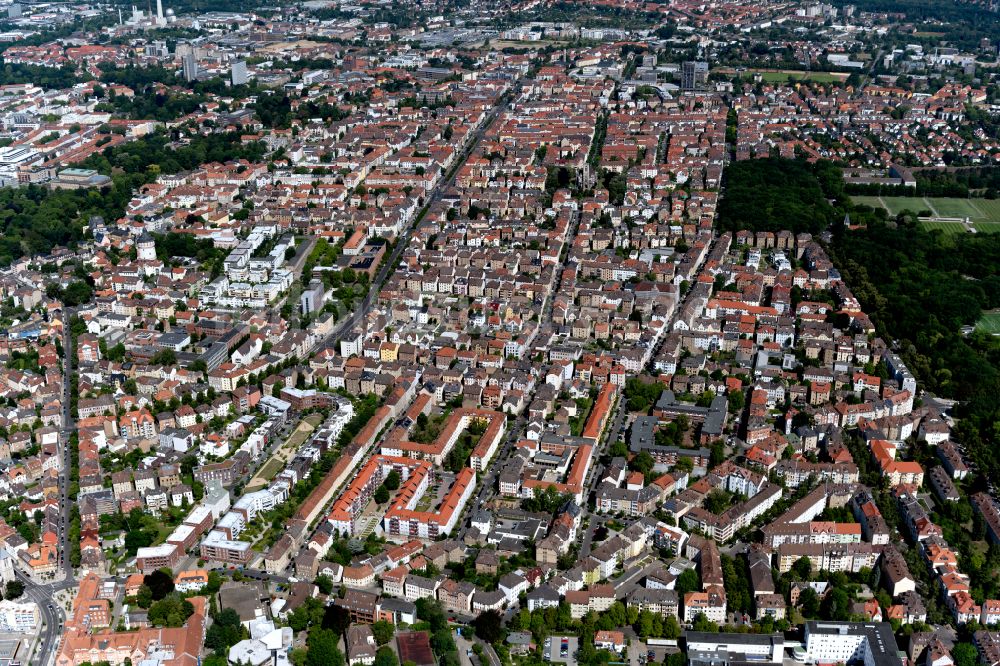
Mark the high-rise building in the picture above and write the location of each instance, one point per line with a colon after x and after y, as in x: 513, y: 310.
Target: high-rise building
x: 694, y: 74
x: 14, y: 11
x: 160, y: 20
x: 312, y: 299
x: 239, y: 72
x: 190, y: 65
x: 157, y: 49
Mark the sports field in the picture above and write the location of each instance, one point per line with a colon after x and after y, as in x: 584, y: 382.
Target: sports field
x: 989, y: 207
x: 946, y: 227
x: 987, y: 227
x: 895, y: 205
x: 990, y: 322
x: 773, y: 76
x: 983, y: 214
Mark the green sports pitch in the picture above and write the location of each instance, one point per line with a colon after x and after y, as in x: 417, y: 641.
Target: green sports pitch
x: 990, y: 322
x: 946, y: 228
x: 771, y: 76
x: 946, y: 213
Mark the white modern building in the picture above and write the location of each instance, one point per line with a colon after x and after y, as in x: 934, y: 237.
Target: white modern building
x: 267, y: 645
x: 706, y: 649
x: 19, y: 617
x: 852, y: 642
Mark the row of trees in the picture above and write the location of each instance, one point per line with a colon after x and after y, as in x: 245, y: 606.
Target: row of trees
x: 981, y: 182
x: 364, y: 409
x: 544, y: 622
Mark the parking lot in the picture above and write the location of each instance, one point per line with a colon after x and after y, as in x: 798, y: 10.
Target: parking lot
x: 553, y: 649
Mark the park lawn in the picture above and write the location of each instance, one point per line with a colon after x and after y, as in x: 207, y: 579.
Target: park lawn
x: 315, y: 420
x: 299, y: 436
x: 270, y: 469
x: 946, y: 227
x: 267, y: 472
x: 990, y: 322
x: 163, y: 530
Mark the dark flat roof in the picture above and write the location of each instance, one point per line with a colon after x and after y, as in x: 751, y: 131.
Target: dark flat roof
x: 733, y: 639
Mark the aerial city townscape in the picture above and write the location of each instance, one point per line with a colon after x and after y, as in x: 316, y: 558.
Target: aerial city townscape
x: 463, y: 333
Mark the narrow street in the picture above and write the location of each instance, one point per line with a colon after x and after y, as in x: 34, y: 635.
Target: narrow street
x: 53, y: 615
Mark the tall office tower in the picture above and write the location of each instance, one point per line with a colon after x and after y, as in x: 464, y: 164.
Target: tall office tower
x: 694, y: 74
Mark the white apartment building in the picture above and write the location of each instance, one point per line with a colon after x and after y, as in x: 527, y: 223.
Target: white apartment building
x: 849, y: 642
